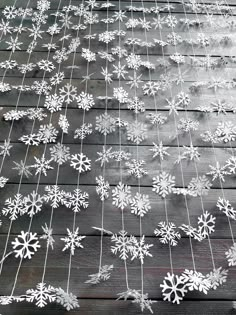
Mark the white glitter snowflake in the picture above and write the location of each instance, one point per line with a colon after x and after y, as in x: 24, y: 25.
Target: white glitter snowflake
x: 140, y: 204
x: 85, y: 101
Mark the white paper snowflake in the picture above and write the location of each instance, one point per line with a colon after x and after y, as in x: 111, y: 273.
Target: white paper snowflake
x: 140, y: 204
x: 102, y: 188
x: 206, y: 224
x: 225, y: 206
x: 121, y: 195
x: 103, y: 275
x: 136, y: 132
x: 163, y: 184
x: 42, y: 165
x: 60, y: 153
x: 140, y: 249
x: 85, y: 101
x: 54, y: 195
x: 136, y: 168
x: 66, y: 299
x: 173, y: 288
x: 123, y: 244
x: 217, y: 277
x: 167, y: 233
x: 195, y: 280
x: 231, y: 255
x: 25, y: 245
x: 42, y: 295
x: 105, y: 124
x: 33, y: 203
x: 14, y: 207
x: 80, y: 162
x: 73, y: 240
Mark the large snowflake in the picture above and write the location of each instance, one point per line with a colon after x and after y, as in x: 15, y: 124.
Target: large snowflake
x: 163, y: 184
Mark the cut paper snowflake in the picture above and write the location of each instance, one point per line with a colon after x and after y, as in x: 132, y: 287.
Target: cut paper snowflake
x: 66, y: 299
x: 195, y: 280
x: 68, y: 93
x: 140, y: 204
x: 136, y: 105
x: 225, y: 206
x: 63, y: 123
x: 72, y: 241
x: 206, y: 224
x: 136, y: 168
x: 136, y: 132
x: 85, y: 101
x: 42, y: 295
x: 121, y: 195
x: 105, y: 124
x: 104, y: 156
x: 76, y: 200
x: 42, y: 165
x: 217, y: 277
x: 167, y: 233
x: 218, y: 171
x: 143, y: 301
x: 33, y: 203
x: 102, y: 188
x: 14, y: 207
x: 23, y: 170
x: 80, y: 162
x: 47, y: 133
x: 159, y: 150
x: 163, y: 184
x: 25, y: 245
x: 173, y: 288
x: 53, y: 103
x: 231, y: 255
x: 5, y: 148
x: 48, y: 236
x: 123, y: 244
x: 199, y: 186
x: 54, y: 195
x: 192, y: 232
x: 103, y: 275
x: 83, y: 131
x: 139, y: 249
x: 60, y: 153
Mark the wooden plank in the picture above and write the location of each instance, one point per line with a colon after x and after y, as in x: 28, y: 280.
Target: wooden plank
x: 97, y: 89
x: 68, y: 175
x: 107, y: 307
x: 191, y: 72
x: 85, y: 262
x: 176, y: 208
x: 167, y: 132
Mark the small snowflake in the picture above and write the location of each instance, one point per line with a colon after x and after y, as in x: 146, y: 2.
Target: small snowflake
x: 48, y: 235
x: 68, y: 300
x: 53, y: 103
x: 136, y: 105
x: 23, y: 170
x: 47, y: 133
x: 83, y: 131
x: 105, y: 124
x: 14, y: 207
x: 123, y: 244
x: 103, y: 275
x: 140, y: 204
x: 163, y: 184
x: 231, y: 165
x: 120, y: 94
x: 102, y: 188
x: 72, y: 241
x: 139, y: 249
x: 121, y: 195
x: 54, y: 195
x: 76, y: 200
x: 33, y: 203
x: 63, y: 123
x: 218, y: 171
x: 136, y: 168
x: 226, y: 207
x: 159, y: 150
x: 167, y: 233
x: 206, y: 224
x: 88, y: 55
x: 68, y: 93
x: 85, y: 101
x: 217, y: 277
x: 136, y: 132
x: 42, y: 165
x: 199, y: 186
x: 231, y: 255
x: 60, y: 153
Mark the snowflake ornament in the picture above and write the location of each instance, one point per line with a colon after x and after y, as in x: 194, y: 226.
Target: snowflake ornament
x: 25, y: 245
x: 136, y: 168
x: 163, y: 184
x: 121, y: 195
x: 103, y: 275
x: 167, y: 233
x: 72, y: 241
x: 42, y: 295
x: 80, y: 162
x: 173, y: 288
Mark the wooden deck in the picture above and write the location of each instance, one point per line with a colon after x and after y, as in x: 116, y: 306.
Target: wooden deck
x: 101, y: 298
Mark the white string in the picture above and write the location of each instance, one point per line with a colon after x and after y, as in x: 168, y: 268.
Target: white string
x: 31, y: 220
x: 104, y: 164
x: 26, y: 155
x: 81, y: 149
x: 120, y: 144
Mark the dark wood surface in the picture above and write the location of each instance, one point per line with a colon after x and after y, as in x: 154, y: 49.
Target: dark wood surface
x: 101, y: 299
